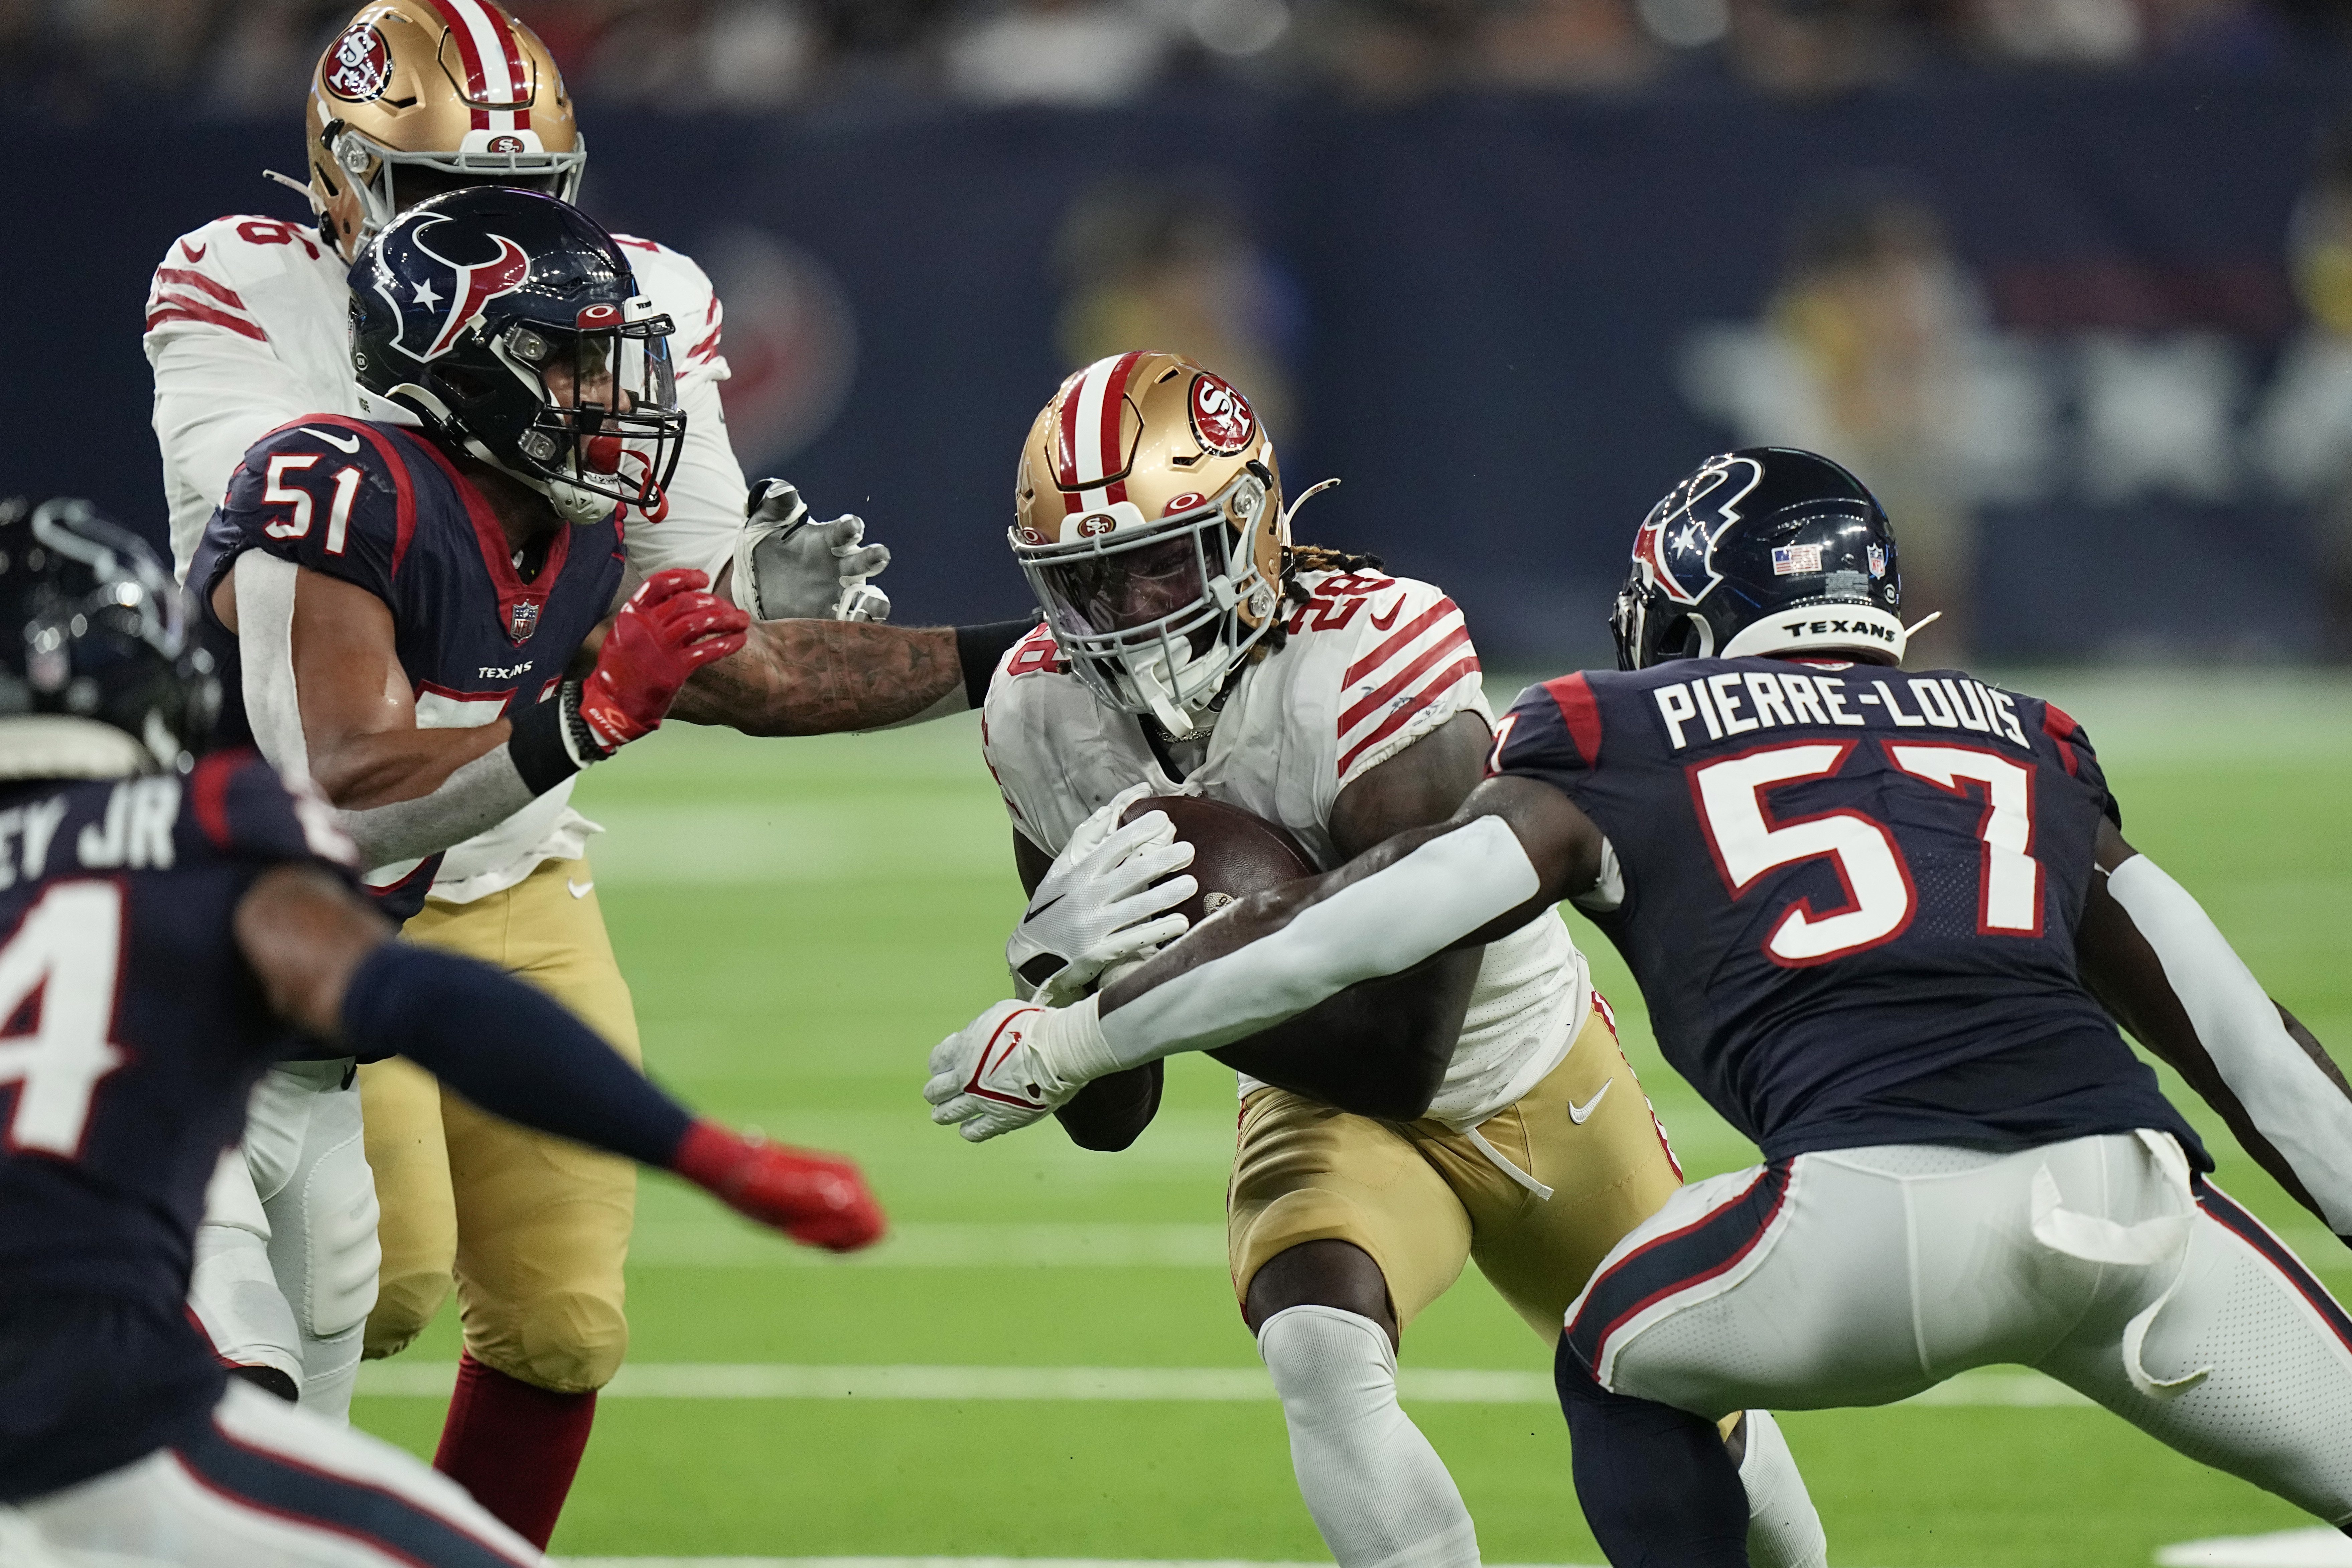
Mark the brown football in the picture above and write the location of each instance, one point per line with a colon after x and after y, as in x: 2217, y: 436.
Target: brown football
x: 1378, y: 1048
x: 1233, y: 853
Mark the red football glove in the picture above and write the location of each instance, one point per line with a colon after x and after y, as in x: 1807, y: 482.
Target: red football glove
x: 816, y: 1199
x: 667, y: 630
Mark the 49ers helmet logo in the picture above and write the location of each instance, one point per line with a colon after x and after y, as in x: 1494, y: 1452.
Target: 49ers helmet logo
x: 1221, y: 420
x: 358, y: 65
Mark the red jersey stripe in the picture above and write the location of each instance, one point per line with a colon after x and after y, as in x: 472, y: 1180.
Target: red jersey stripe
x: 181, y: 278
x: 179, y: 310
x: 1367, y: 706
x: 1422, y: 698
x: 211, y: 789
x: 1572, y: 695
x: 1398, y: 641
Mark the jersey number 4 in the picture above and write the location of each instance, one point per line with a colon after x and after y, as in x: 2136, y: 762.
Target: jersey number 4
x: 1748, y: 841
x: 67, y: 953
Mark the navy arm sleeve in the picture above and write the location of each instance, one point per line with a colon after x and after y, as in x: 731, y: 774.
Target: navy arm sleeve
x: 510, y: 1050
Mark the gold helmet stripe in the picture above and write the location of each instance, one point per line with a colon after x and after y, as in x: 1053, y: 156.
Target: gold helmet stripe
x: 486, y: 46
x: 1092, y: 460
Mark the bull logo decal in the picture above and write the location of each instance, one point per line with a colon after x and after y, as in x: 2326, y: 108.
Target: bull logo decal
x: 1676, y: 544
x: 466, y: 286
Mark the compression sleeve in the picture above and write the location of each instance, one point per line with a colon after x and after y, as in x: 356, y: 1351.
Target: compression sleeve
x: 2306, y: 1118
x: 510, y: 1050
x: 1384, y: 924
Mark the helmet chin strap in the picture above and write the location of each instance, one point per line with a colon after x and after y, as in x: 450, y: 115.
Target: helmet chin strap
x: 1180, y: 724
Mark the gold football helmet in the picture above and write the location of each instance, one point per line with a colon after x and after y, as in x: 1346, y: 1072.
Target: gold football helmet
x: 457, y: 87
x: 1149, y: 517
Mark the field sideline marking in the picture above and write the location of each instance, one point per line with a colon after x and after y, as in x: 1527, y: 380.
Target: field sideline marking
x: 1428, y: 1385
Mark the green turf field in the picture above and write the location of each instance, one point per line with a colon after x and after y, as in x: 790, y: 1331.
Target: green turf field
x: 802, y: 919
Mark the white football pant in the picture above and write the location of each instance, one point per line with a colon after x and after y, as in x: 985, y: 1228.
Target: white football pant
x: 267, y: 1483
x: 285, y: 1259
x: 1864, y: 1276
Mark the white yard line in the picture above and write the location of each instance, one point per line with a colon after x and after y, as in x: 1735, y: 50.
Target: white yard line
x: 2315, y: 1548
x: 950, y: 1562
x: 1142, y: 1385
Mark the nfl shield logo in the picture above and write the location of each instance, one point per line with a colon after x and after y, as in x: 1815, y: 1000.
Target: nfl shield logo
x: 523, y: 620
x: 1877, y: 560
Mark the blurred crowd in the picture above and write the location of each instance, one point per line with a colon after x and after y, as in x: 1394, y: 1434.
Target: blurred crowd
x: 244, y: 57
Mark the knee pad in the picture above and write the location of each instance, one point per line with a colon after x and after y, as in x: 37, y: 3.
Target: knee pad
x: 565, y: 1342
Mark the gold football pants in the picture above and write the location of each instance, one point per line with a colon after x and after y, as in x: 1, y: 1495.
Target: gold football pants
x: 1422, y: 1199
x: 532, y: 1228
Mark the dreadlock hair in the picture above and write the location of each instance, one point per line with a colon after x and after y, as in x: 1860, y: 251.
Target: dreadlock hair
x: 1299, y: 559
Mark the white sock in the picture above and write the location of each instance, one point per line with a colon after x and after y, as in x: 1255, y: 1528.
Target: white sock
x: 1379, y: 1493
x: 1783, y: 1530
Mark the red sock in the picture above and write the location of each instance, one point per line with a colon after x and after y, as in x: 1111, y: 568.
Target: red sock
x: 514, y: 1446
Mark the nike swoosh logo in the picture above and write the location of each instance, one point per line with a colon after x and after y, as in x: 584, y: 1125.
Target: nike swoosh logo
x: 1394, y: 611
x: 579, y: 890
x: 339, y: 443
x: 1577, y: 1113
x: 195, y: 252
x: 1036, y: 909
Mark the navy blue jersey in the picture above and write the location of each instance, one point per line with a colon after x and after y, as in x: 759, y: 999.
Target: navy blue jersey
x: 131, y: 1033
x: 1849, y: 895
x: 384, y: 509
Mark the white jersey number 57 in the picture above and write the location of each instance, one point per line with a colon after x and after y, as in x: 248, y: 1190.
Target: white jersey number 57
x: 1748, y: 841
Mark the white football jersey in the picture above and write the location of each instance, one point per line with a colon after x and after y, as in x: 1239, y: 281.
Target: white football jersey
x: 247, y: 331
x: 1371, y: 666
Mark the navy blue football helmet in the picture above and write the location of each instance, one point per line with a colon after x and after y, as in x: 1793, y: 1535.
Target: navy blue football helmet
x: 1765, y: 550
x: 100, y: 676
x: 510, y: 324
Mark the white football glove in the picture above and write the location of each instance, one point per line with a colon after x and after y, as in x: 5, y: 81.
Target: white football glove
x: 1098, y: 905
x: 988, y: 1078
x: 789, y: 568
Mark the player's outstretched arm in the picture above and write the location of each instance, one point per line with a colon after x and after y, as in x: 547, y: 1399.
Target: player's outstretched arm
x: 826, y: 678
x: 2158, y: 964
x: 1516, y: 848
x: 330, y: 965
x: 1380, y: 1047
x: 326, y: 693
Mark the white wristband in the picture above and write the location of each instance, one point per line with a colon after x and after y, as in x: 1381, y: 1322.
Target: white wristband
x: 1068, y: 1042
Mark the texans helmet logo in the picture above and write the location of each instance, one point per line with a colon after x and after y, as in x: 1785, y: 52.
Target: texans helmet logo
x: 1676, y: 544
x: 417, y: 280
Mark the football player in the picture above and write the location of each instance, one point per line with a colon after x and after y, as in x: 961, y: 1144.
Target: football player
x: 247, y: 332
x: 417, y: 609
x: 173, y: 926
x: 1888, y: 924
x: 1480, y: 1110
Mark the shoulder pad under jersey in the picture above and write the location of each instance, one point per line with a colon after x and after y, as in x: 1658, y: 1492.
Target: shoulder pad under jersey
x: 1403, y: 659
x: 328, y: 492
x: 676, y: 283
x: 196, y: 284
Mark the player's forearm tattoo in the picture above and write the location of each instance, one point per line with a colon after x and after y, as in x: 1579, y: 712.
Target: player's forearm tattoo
x: 819, y: 678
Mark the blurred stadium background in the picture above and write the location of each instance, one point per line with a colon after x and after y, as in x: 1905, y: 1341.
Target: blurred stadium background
x: 2069, y: 282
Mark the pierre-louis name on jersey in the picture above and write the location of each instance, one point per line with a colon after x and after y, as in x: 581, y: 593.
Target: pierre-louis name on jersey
x: 383, y: 509
x: 1370, y: 666
x: 247, y: 329
x: 1850, y: 895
